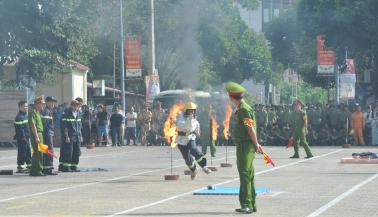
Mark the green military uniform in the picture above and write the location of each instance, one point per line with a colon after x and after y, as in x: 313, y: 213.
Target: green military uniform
x: 261, y: 137
x: 205, y: 127
x: 261, y: 118
x: 323, y: 137
x: 344, y: 118
x: 333, y: 116
x: 245, y: 149
x: 313, y: 118
x: 287, y: 117
x: 335, y: 138
x: 279, y: 115
x: 152, y: 137
x: 312, y: 138
x: 300, y: 119
x: 34, y: 117
x: 271, y: 137
x: 271, y: 118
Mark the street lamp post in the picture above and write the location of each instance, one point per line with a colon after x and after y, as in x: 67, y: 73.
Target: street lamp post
x: 122, y: 70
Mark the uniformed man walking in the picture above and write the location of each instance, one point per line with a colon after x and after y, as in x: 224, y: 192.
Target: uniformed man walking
x: 71, y: 126
x: 36, y: 137
x: 22, y: 136
x: 300, y: 130
x: 244, y: 136
x: 48, y: 134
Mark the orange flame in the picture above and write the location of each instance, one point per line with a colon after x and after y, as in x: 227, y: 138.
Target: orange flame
x: 226, y: 122
x: 214, y: 129
x: 170, y: 128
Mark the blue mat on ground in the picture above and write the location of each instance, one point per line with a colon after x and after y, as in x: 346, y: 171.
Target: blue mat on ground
x: 229, y: 191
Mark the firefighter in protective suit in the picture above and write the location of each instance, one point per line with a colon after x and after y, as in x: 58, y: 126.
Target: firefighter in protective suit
x: 188, y: 129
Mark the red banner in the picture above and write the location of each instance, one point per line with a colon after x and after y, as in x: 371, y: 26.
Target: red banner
x: 326, y: 58
x: 133, y: 58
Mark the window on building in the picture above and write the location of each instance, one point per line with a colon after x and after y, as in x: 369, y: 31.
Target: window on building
x: 276, y: 12
x: 266, y: 15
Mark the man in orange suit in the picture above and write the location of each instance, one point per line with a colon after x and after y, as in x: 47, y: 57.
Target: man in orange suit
x: 357, y: 122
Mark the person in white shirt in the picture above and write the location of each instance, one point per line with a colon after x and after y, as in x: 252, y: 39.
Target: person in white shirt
x: 367, y: 130
x: 188, y: 129
x: 131, y: 126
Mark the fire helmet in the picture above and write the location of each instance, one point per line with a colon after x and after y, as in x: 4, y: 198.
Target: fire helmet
x: 190, y: 105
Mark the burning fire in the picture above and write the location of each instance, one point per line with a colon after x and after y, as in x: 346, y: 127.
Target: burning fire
x: 214, y: 129
x: 226, y: 122
x: 170, y: 129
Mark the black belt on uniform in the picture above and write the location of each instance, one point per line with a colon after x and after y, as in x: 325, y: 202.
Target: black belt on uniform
x: 243, y: 141
x: 181, y: 133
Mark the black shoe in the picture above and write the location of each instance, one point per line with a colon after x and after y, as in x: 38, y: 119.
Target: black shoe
x: 308, y: 157
x: 75, y: 170
x: 254, y: 210
x: 67, y: 170
x: 294, y: 157
x: 244, y: 210
x: 51, y: 173
x: 213, y: 155
x: 134, y: 144
x: 41, y: 174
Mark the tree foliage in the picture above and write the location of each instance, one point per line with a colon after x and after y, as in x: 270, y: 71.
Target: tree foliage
x: 347, y: 24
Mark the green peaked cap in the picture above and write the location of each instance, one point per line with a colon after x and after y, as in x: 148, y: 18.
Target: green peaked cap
x: 234, y: 89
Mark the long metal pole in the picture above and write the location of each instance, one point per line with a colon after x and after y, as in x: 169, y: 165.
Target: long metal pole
x: 152, y: 39
x: 114, y: 71
x: 122, y: 70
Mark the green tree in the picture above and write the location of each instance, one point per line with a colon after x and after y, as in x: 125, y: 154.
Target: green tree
x: 46, y: 36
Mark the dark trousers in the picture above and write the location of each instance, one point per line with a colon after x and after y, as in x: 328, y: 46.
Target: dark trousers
x: 86, y: 135
x: 367, y: 134
x: 48, y: 160
x: 69, y: 155
x: 131, y: 133
x: 23, y: 153
x: 188, y: 152
x: 116, y: 135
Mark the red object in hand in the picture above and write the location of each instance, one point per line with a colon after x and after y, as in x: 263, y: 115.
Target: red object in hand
x: 290, y: 143
x: 267, y: 159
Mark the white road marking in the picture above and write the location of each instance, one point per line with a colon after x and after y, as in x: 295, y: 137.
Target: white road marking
x: 342, y: 196
x: 225, y: 182
x: 277, y: 193
x: 92, y: 183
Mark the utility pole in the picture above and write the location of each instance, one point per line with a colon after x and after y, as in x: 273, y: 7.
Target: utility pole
x: 152, y: 40
x: 122, y: 69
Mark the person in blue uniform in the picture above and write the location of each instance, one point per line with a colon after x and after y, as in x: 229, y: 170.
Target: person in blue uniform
x: 71, y: 127
x: 48, y: 134
x: 22, y: 136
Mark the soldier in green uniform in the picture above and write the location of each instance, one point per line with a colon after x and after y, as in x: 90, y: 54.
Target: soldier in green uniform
x: 313, y: 117
x: 324, y: 137
x: 333, y: 116
x: 261, y: 117
x: 279, y: 115
x: 36, y: 137
x: 335, y: 137
x: 272, y: 119
x: 244, y: 136
x: 313, y: 137
x: 261, y: 136
x: 288, y: 116
x: 300, y: 130
x: 345, y: 116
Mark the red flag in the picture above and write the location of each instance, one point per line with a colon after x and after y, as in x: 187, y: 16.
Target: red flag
x: 290, y: 143
x: 267, y: 159
x: 45, y: 149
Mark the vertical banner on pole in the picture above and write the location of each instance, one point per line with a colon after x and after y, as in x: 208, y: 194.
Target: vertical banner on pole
x: 98, y: 87
x: 347, y: 91
x: 152, y: 87
x: 133, y: 58
x: 326, y: 58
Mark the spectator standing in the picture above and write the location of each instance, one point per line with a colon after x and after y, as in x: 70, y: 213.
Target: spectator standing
x: 145, y: 119
x: 58, y: 118
x: 86, y: 121
x: 367, y: 131
x: 131, y: 118
x: 102, y: 121
x: 116, y: 121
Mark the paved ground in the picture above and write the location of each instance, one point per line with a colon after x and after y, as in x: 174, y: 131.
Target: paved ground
x: 135, y: 185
